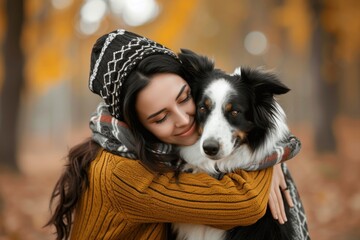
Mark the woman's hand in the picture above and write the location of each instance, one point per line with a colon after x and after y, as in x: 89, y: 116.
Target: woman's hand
x: 276, y: 202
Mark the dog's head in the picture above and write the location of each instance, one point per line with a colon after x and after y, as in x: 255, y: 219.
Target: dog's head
x: 232, y: 109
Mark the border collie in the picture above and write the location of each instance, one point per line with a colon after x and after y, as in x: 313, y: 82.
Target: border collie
x: 240, y: 124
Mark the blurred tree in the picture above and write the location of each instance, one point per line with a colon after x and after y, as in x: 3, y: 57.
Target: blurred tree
x: 13, y: 82
x: 326, y: 74
x: 340, y: 20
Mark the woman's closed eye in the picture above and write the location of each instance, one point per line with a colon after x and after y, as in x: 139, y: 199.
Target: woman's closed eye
x: 185, y: 98
x: 182, y: 100
x: 162, y: 119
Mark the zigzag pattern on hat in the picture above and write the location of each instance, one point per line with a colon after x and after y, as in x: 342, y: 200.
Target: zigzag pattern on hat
x: 123, y: 61
x: 108, y: 40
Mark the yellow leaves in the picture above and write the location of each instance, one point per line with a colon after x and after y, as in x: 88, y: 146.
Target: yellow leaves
x: 46, y: 67
x: 173, y: 22
x: 46, y: 39
x: 295, y: 17
x: 342, y: 18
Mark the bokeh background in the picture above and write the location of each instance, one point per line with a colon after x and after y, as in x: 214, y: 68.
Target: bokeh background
x: 313, y: 45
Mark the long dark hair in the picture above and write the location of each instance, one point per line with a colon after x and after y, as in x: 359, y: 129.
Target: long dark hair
x: 146, y: 141
x: 71, y: 185
x: 74, y: 180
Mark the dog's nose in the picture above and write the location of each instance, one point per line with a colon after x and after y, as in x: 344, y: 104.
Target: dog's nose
x: 211, y: 147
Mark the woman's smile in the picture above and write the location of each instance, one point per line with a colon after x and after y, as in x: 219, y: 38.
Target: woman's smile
x: 188, y: 131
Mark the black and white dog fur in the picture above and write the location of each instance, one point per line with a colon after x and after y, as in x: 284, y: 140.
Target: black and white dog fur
x: 240, y: 124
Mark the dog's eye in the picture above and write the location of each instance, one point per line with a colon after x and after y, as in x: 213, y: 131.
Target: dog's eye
x: 202, y: 109
x: 234, y: 113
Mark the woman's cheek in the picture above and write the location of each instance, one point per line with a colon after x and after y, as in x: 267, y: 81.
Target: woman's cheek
x: 162, y: 131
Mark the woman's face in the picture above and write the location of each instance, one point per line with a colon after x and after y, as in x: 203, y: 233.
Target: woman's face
x: 165, y: 107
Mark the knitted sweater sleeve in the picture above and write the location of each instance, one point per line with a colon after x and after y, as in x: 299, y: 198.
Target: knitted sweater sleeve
x: 238, y: 199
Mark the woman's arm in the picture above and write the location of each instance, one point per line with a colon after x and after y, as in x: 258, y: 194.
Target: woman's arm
x: 285, y: 150
x: 237, y: 199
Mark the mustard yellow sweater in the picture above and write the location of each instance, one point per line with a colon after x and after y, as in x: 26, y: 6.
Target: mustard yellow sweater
x: 127, y: 201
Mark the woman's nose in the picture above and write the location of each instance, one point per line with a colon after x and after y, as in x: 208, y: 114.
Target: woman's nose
x: 182, y: 118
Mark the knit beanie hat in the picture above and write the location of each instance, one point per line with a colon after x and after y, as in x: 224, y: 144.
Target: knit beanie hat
x: 114, y: 56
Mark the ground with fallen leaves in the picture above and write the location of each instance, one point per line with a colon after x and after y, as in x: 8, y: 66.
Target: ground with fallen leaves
x: 328, y: 184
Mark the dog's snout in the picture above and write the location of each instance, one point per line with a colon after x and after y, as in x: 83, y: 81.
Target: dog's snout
x: 211, y: 147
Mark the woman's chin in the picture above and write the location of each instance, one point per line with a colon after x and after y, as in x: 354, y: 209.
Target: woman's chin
x: 189, y: 140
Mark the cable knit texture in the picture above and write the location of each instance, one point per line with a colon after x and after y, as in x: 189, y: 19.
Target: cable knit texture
x: 127, y: 201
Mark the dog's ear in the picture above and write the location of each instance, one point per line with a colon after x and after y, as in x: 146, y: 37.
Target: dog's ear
x: 263, y: 82
x: 196, y: 65
x: 262, y: 85
x: 237, y: 72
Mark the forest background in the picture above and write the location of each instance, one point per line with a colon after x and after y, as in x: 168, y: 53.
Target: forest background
x: 313, y: 45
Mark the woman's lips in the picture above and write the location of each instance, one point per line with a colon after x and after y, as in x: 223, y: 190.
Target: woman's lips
x: 189, y: 131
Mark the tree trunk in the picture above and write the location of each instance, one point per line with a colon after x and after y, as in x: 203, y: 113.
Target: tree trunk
x: 325, y: 74
x: 12, y: 85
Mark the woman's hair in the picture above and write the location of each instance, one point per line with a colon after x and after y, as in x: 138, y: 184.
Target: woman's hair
x: 146, y: 141
x: 71, y: 185
x: 74, y: 180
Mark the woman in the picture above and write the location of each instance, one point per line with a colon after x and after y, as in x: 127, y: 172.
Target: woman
x: 115, y: 196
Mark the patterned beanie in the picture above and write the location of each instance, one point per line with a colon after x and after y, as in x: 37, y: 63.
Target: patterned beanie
x: 114, y: 56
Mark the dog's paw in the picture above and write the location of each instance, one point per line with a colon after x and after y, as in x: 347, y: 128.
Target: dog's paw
x: 189, y: 168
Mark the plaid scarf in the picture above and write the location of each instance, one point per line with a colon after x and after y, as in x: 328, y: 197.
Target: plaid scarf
x: 116, y: 137
x: 284, y: 150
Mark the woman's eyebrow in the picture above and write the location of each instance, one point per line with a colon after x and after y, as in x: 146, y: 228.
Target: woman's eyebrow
x: 181, y: 91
